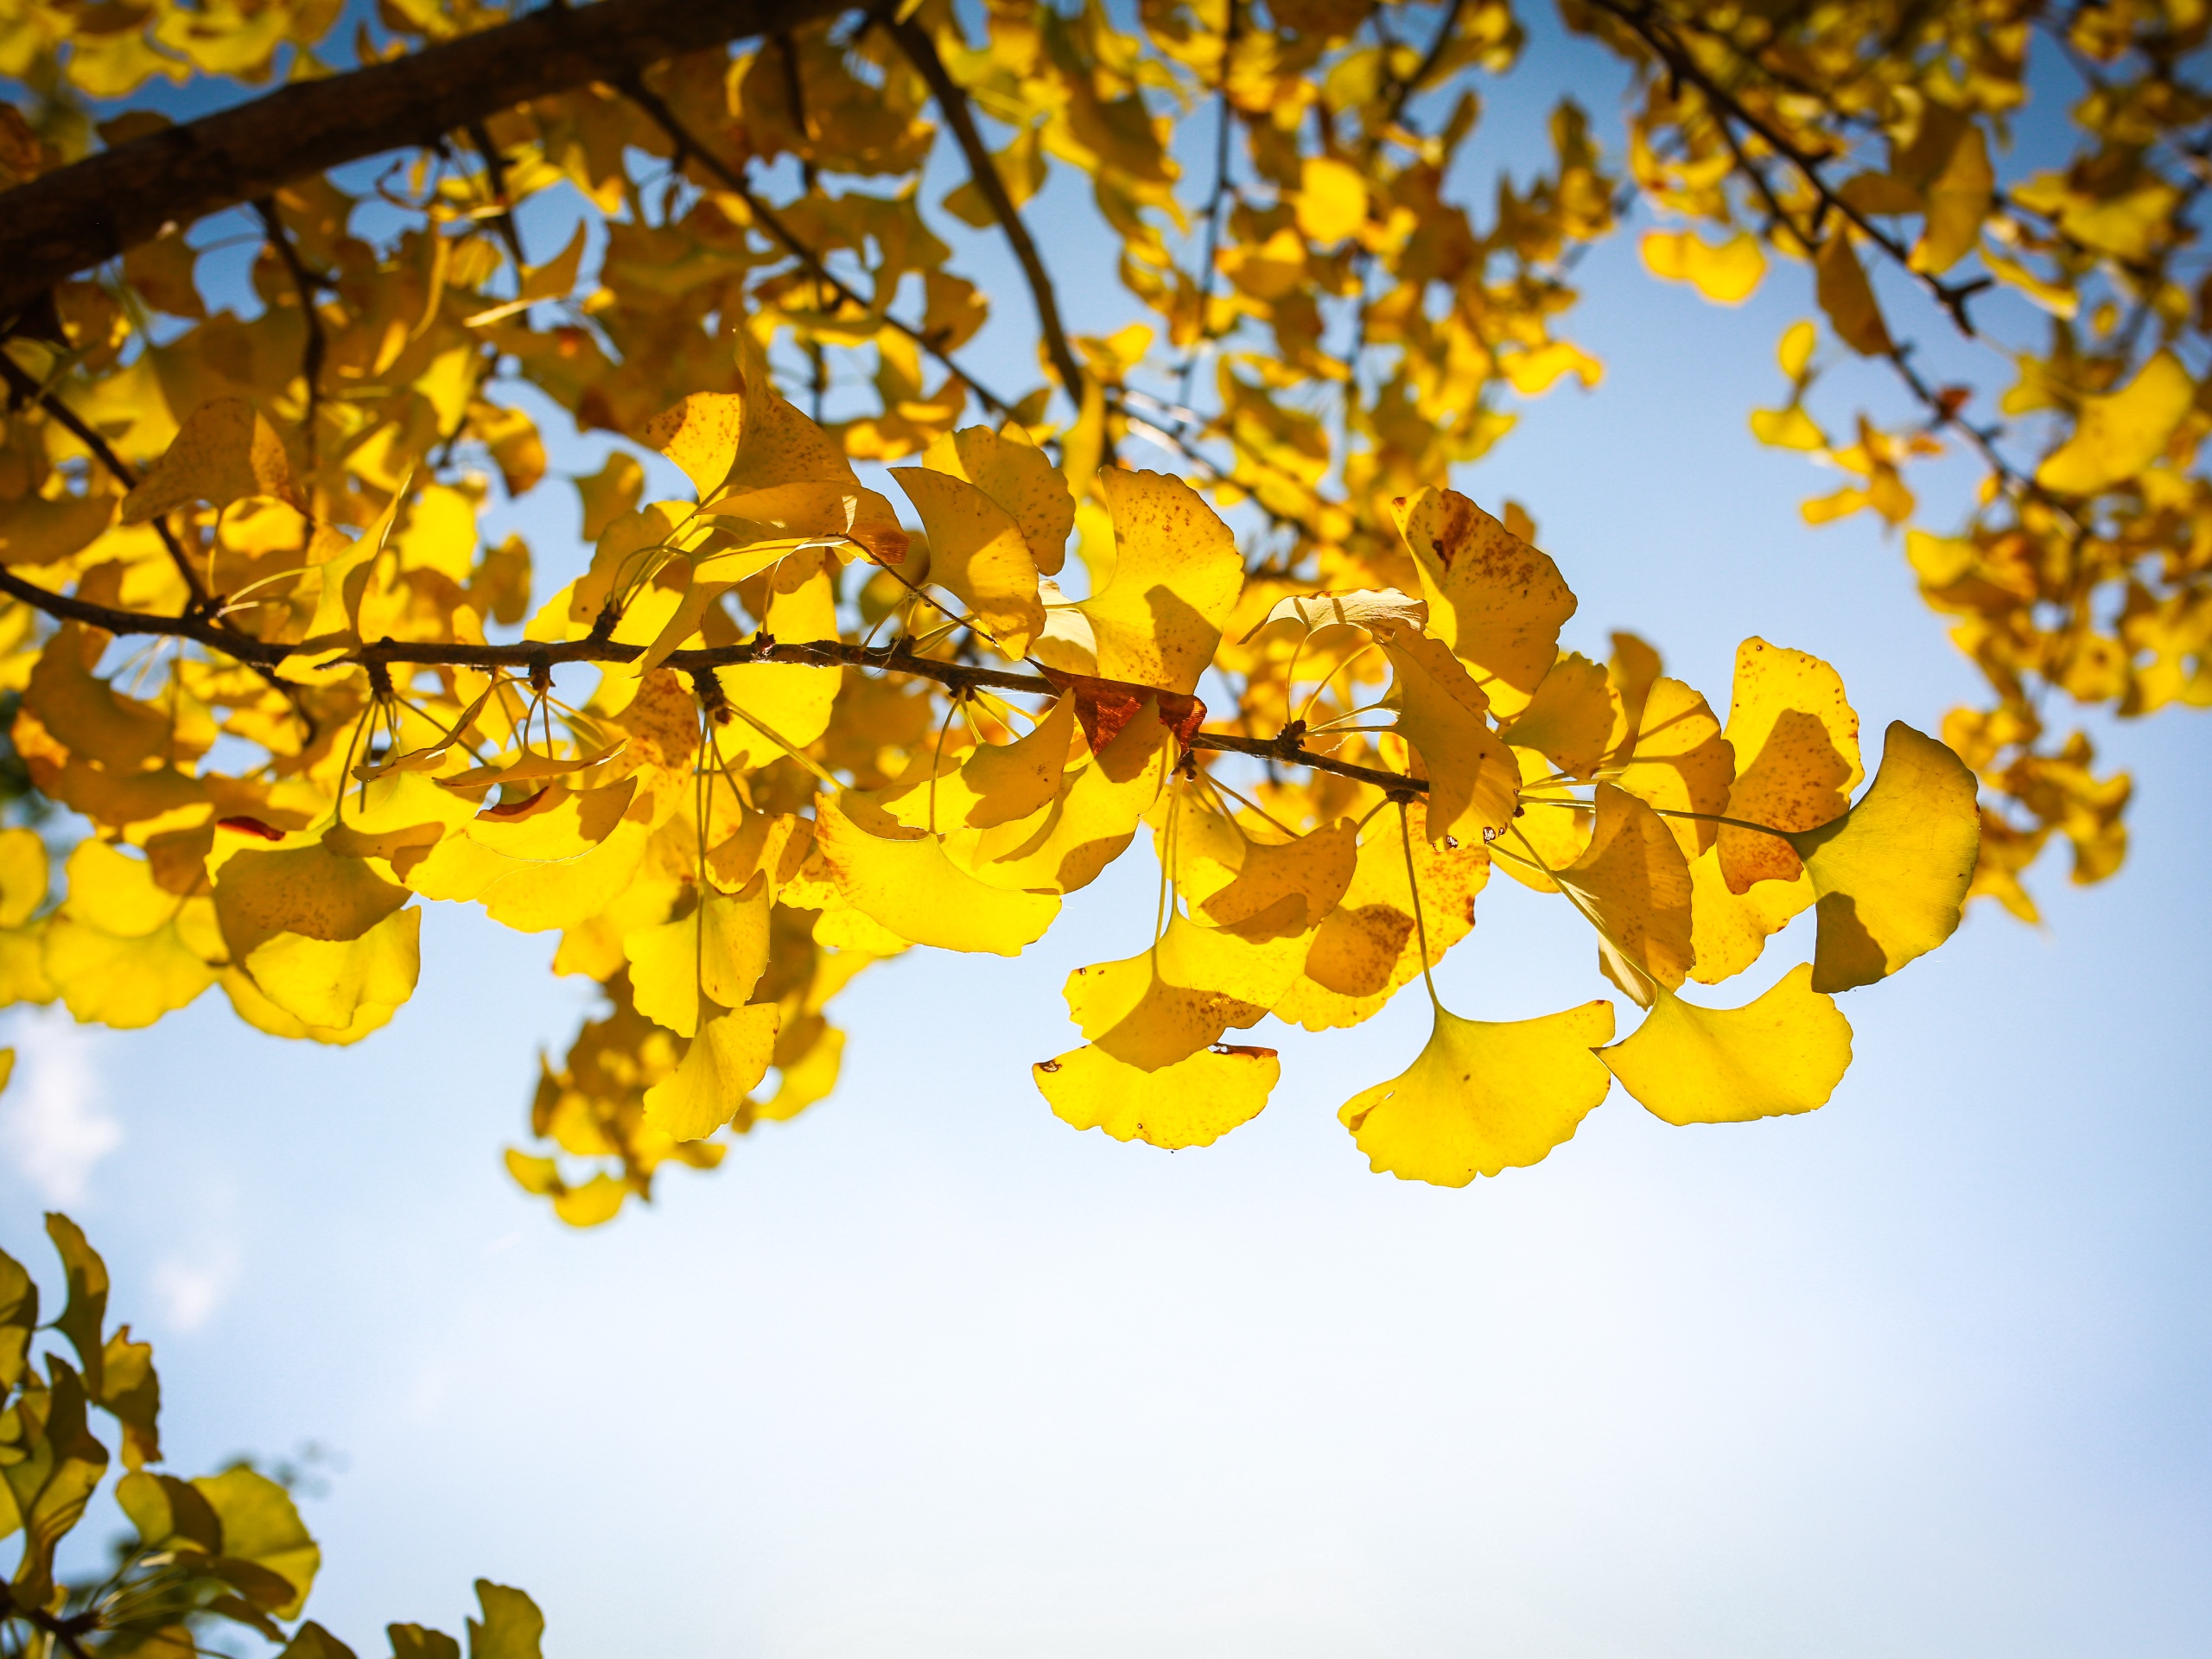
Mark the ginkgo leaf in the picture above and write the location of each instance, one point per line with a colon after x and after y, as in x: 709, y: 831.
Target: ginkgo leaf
x: 992, y: 784
x: 260, y: 1524
x: 1495, y: 601
x: 979, y: 552
x: 1568, y: 719
x: 1726, y: 274
x: 793, y: 701
x: 1784, y: 1053
x: 1795, y: 741
x: 1153, y: 1009
x: 1474, y: 780
x: 2117, y: 437
x: 905, y: 882
x: 325, y: 982
x: 1192, y: 1103
x: 1291, y: 885
x: 1729, y: 929
x: 722, y: 1065
x: 124, y: 981
x: 1680, y: 763
x: 700, y: 435
x: 714, y: 954
x: 1634, y: 884
x: 1958, y: 199
x: 1016, y: 474
x: 1177, y: 575
x: 309, y: 891
x: 1371, y: 609
x: 1842, y: 287
x: 1063, y: 845
x: 1892, y: 876
x: 223, y: 453
x: 1484, y: 1096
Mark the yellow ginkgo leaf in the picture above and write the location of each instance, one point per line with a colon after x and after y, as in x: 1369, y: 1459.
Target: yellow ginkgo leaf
x: 1367, y: 947
x: 1153, y: 1009
x: 1192, y: 1103
x: 1783, y: 1053
x: 1539, y: 369
x: 1893, y: 875
x: 978, y: 551
x: 723, y: 1064
x: 1065, y: 844
x: 1958, y: 199
x: 1680, y: 763
x: 1569, y: 718
x: 1495, y: 601
x: 1729, y: 929
x: 1796, y: 739
x: 325, y: 982
x: 116, y: 893
x: 129, y: 982
x: 1726, y: 273
x: 22, y: 875
x: 252, y: 1004
x: 84, y: 712
x: 223, y: 453
x: 792, y: 701
x: 1484, y: 1096
x: 905, y: 881
x: 700, y: 435
x: 1378, y: 610
x: 1014, y: 473
x: 1634, y: 884
x: 2117, y: 437
x: 715, y: 954
x: 992, y: 784
x: 1788, y: 428
x: 309, y: 891
x: 1473, y: 779
x: 1332, y: 200
x: 1177, y: 574
x: 1841, y: 285
x: 1282, y: 886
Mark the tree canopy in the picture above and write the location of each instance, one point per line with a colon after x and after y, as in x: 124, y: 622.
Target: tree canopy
x: 850, y: 694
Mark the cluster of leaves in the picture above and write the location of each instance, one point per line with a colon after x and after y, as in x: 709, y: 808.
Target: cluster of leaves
x: 224, y: 1554
x: 1869, y: 134
x: 822, y: 731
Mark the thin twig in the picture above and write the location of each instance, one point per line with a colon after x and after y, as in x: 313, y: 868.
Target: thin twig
x: 22, y: 385
x: 914, y: 41
x: 539, y: 658
x: 495, y: 168
x: 305, y: 282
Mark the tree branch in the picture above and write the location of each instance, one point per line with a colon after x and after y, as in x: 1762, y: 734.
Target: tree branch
x: 914, y: 41
x: 70, y: 220
x: 22, y: 385
x: 304, y: 284
x: 534, y: 656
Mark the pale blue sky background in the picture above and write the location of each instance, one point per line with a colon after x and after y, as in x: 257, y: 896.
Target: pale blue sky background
x: 926, y: 1373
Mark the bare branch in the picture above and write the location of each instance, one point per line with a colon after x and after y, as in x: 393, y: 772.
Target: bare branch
x: 914, y: 41
x: 70, y: 220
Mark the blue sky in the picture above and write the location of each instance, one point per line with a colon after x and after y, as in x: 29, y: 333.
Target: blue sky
x: 927, y: 1373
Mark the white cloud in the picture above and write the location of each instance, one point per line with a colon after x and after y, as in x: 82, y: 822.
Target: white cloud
x: 53, y: 1127
x: 191, y: 1291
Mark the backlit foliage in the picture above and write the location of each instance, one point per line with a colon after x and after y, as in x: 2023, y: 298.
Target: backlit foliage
x: 802, y: 718
x: 205, y: 1560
